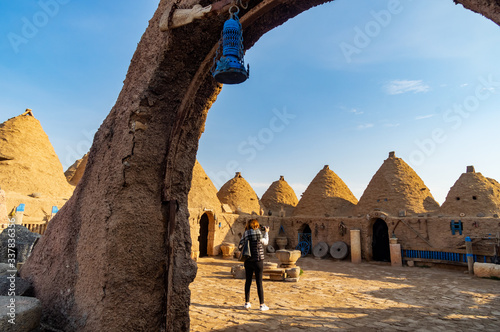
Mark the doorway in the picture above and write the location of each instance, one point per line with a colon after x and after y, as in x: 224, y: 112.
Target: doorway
x: 203, y: 238
x: 305, y: 240
x: 380, y: 244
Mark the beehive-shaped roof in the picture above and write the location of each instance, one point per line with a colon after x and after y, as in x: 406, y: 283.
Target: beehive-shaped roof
x: 396, y: 187
x: 326, y: 196
x: 279, y: 196
x: 75, y: 172
x: 29, y: 163
x: 239, y: 195
x: 473, y: 195
x: 203, y: 194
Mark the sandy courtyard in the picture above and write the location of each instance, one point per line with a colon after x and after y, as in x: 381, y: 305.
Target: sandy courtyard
x: 343, y: 296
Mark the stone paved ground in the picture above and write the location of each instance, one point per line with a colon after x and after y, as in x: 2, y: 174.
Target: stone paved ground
x: 344, y: 296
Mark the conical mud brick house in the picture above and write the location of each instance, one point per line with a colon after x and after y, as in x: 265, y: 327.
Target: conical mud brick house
x: 279, y: 199
x: 396, y: 189
x: 204, y: 210
x: 30, y: 163
x: 240, y: 196
x: 203, y: 193
x: 326, y: 196
x: 473, y: 195
x: 30, y: 171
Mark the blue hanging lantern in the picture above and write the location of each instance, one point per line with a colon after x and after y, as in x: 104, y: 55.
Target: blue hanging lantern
x: 231, y: 66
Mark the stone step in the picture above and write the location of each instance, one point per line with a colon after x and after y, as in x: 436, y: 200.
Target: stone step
x: 274, y: 271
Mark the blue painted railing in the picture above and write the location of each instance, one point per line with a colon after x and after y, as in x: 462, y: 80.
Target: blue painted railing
x: 438, y: 255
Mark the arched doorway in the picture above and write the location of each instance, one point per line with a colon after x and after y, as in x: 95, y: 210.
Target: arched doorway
x: 206, y: 234
x: 380, y: 242
x: 203, y: 238
x: 306, y: 229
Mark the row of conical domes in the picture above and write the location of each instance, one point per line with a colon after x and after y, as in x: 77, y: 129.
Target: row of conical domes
x: 395, y: 188
x: 28, y: 165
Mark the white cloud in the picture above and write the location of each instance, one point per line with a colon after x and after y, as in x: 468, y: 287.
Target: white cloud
x: 356, y: 112
x: 391, y: 125
x: 464, y: 85
x: 420, y: 117
x: 491, y: 89
x: 299, y: 188
x: 365, y: 126
x: 396, y: 87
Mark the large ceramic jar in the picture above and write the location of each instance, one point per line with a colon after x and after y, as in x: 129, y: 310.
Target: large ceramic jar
x: 281, y: 242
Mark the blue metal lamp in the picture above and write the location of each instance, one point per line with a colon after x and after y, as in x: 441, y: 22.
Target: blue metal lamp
x: 231, y: 66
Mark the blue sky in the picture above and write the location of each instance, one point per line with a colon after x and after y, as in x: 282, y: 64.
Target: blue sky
x: 341, y: 84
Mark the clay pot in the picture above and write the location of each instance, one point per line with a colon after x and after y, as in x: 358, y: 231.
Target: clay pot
x: 288, y: 258
x: 281, y: 242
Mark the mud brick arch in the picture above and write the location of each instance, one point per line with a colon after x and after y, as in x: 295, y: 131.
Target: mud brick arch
x: 117, y: 256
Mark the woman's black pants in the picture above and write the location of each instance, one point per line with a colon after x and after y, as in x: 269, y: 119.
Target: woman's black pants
x: 250, y: 269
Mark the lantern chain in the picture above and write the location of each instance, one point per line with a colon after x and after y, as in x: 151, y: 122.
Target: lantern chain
x: 241, y: 4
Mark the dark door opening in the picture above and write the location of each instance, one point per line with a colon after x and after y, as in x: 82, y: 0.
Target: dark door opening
x: 380, y: 244
x: 203, y: 238
x: 305, y: 240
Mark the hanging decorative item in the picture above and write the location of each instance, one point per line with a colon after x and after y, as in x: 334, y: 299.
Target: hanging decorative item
x: 230, y: 68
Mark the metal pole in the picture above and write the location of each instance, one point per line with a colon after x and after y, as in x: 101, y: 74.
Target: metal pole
x: 470, y: 258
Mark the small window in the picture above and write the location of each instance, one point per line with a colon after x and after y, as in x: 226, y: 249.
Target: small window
x: 474, y: 197
x: 458, y: 198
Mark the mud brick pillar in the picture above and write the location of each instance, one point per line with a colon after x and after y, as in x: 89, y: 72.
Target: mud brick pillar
x: 355, y: 246
x: 396, y: 259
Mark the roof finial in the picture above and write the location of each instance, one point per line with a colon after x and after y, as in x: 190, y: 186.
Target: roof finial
x: 28, y: 112
x: 326, y: 167
x: 392, y: 154
x: 237, y: 175
x: 282, y: 178
x: 470, y: 169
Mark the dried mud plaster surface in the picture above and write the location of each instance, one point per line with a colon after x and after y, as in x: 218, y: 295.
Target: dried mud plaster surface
x: 32, y: 165
x: 396, y: 186
x: 240, y: 196
x: 203, y: 193
x: 279, y: 196
x: 327, y: 195
x: 115, y: 258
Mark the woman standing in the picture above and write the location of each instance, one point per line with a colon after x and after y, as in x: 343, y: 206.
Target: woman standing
x: 254, y: 264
